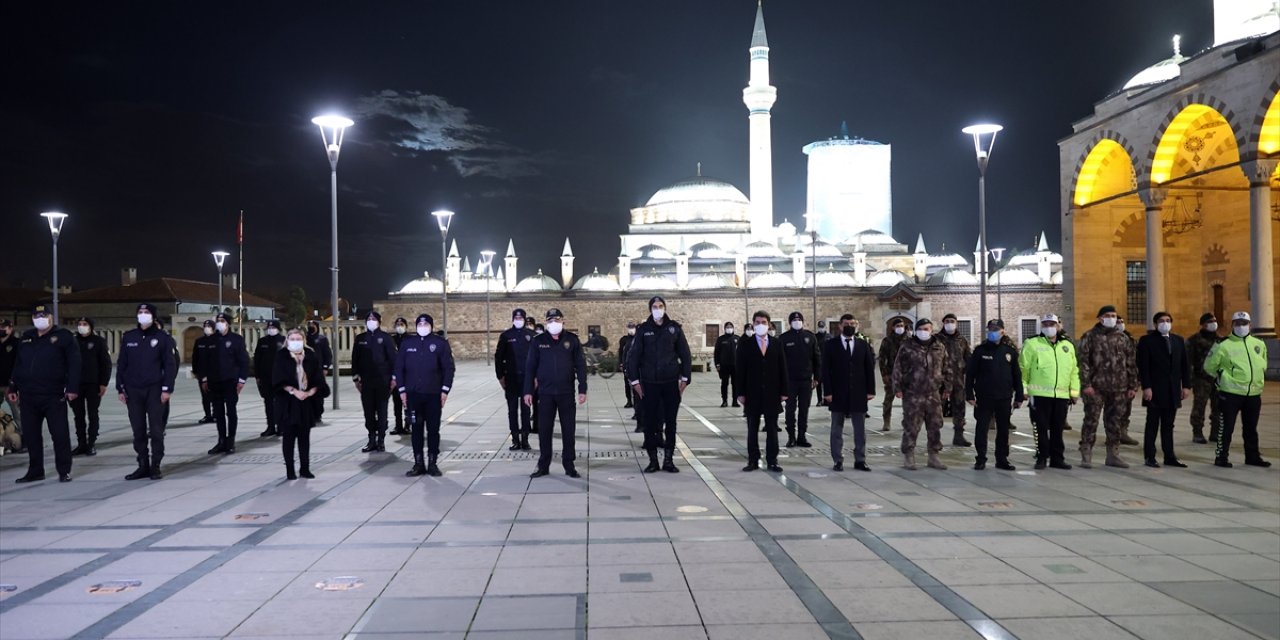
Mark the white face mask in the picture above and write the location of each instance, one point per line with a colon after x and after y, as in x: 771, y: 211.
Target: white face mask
x: 208, y: 331
x: 728, y: 331
x: 1109, y: 323
x: 518, y: 323
x: 797, y: 325
x: 923, y: 335
x: 296, y: 345
x: 40, y: 323
x: 1211, y: 327
x: 949, y: 327
x: 273, y: 332
x: 760, y: 329
x: 371, y: 325
x: 554, y: 328
x: 221, y: 326
x: 83, y: 329
x: 424, y: 330
x: 658, y: 314
x: 899, y: 330
x: 1049, y: 332
x: 144, y: 319
x: 400, y: 329
x: 631, y: 331
x: 1240, y: 330
x: 1164, y: 327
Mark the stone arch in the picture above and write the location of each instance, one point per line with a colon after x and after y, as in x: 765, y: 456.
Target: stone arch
x: 1264, y: 134
x: 1131, y: 232
x: 1164, y: 158
x: 1096, y: 174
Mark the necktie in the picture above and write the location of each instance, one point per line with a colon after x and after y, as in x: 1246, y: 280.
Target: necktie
x: 763, y: 344
x: 848, y: 346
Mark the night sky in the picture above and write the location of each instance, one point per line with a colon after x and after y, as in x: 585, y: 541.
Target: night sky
x: 153, y: 123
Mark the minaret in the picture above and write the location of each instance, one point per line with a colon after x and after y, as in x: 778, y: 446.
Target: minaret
x: 921, y: 259
x: 510, y: 261
x: 453, y: 268
x: 759, y: 97
x: 566, y: 265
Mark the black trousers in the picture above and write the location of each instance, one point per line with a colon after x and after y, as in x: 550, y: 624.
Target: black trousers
x: 727, y: 384
x: 373, y: 397
x: 549, y: 406
x: 85, y: 410
x: 753, y: 434
x: 626, y: 386
x: 1159, y: 420
x: 661, y: 406
x: 146, y: 416
x: 1002, y: 411
x: 519, y: 414
x: 296, y: 434
x: 37, y: 410
x: 799, y: 395
x: 1246, y: 407
x: 424, y: 416
x: 397, y: 407
x: 205, y: 402
x: 265, y: 392
x: 223, y: 396
x: 1050, y: 418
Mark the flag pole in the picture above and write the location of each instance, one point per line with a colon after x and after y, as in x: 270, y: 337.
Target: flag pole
x: 240, y: 278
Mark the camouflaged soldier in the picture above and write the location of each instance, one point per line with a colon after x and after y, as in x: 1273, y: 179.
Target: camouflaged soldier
x: 888, y: 355
x: 1203, y: 386
x: 922, y: 375
x: 959, y: 351
x: 1126, y: 412
x: 1109, y: 378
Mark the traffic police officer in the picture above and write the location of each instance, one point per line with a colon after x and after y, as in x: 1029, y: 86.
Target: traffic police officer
x: 555, y: 359
x: 224, y: 372
x: 264, y: 360
x: 45, y: 376
x: 372, y: 357
x: 509, y: 360
x: 1051, y: 377
x: 95, y: 373
x: 317, y: 341
x: 804, y: 362
x: 726, y: 352
x: 203, y: 342
x: 401, y: 328
x: 1239, y: 363
x: 144, y: 379
x: 423, y: 375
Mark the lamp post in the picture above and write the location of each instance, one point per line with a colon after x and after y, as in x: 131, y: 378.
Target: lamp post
x: 997, y: 253
x: 488, y: 281
x: 984, y: 140
x: 813, y: 267
x: 332, y: 128
x: 218, y: 258
x: 56, y: 220
x: 444, y: 218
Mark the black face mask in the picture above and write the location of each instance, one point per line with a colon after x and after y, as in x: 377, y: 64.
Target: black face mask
x: 849, y: 331
x: 313, y: 330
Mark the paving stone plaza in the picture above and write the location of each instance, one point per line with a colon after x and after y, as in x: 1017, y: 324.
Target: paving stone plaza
x: 225, y: 547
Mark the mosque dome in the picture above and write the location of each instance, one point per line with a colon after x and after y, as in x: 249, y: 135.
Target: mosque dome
x: 824, y: 249
x: 596, y: 282
x: 709, y: 251
x: 945, y: 260
x: 481, y: 284
x: 887, y: 278
x: 831, y: 278
x: 1159, y: 72
x: 652, y: 282
x: 771, y: 280
x: 762, y: 249
x: 1032, y: 257
x: 711, y: 280
x: 425, y: 284
x: 1014, y: 276
x: 699, y: 189
x: 874, y: 241
x: 952, y: 276
x: 537, y: 283
x: 1057, y: 278
x: 655, y: 252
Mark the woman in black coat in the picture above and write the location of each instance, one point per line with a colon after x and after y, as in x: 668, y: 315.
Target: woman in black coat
x: 297, y: 378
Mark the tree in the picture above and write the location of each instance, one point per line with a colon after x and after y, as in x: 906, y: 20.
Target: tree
x: 297, y: 308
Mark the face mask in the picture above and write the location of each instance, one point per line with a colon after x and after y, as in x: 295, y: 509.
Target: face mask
x: 222, y: 327
x: 899, y: 330
x: 371, y: 325
x: 1211, y: 327
x: 1120, y: 326
x: 555, y: 328
x: 728, y: 331
x: 208, y: 331
x: 41, y: 323
x: 296, y: 345
x: 760, y: 329
x: 797, y: 325
x: 273, y: 332
x: 1164, y: 327
x: 313, y: 330
x: 949, y: 327
x: 993, y: 336
x: 1109, y: 323
x: 83, y: 329
x: 923, y: 335
x: 658, y: 314
x: 1241, y: 330
x: 423, y: 330
x: 519, y: 324
x: 772, y: 333
x: 848, y: 331
x: 144, y: 319
x: 631, y: 332
x: 400, y: 329
x: 1049, y: 332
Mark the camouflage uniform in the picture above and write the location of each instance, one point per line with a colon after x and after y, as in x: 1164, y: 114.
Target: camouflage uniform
x: 887, y: 355
x: 958, y: 352
x: 923, y: 373
x: 1126, y: 411
x: 1109, y: 364
x: 1203, y: 386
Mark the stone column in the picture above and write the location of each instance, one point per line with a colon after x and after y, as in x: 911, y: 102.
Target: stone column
x: 1153, y: 199
x: 1262, y: 277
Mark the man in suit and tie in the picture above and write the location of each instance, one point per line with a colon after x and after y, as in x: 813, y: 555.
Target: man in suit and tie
x: 760, y: 377
x: 849, y: 380
x: 1165, y: 374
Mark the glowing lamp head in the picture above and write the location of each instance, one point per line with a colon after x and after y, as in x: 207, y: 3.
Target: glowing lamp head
x: 444, y: 218
x: 219, y: 257
x: 332, y: 128
x: 55, y: 220
x: 984, y: 139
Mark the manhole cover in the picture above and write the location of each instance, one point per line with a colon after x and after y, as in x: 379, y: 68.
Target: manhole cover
x: 6, y: 588
x: 1130, y: 503
x: 866, y: 506
x: 996, y: 504
x: 340, y: 583
x: 114, y: 586
x: 251, y: 516
x: 689, y: 508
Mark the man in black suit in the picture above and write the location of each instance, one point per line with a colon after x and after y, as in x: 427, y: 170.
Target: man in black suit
x: 1165, y: 374
x: 760, y: 376
x: 849, y: 379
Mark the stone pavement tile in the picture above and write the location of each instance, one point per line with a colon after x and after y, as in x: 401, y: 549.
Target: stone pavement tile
x: 78, y: 590
x: 632, y: 529
x: 19, y: 541
x: 1221, y: 597
x: 961, y: 524
x: 1162, y: 627
x: 286, y: 560
x: 221, y: 585
x: 851, y: 574
x: 1059, y: 569
x: 392, y: 534
x: 1253, y: 542
x: 33, y: 621
x: 1123, y: 598
x: 1056, y: 628
x: 1101, y: 544
x: 1187, y: 520
x: 827, y: 550
x: 915, y: 630
x: 350, y: 557
x: 537, y: 581
x: 560, y: 531
x: 617, y: 578
x: 431, y: 558
x: 1242, y: 566
x: 887, y: 604
x: 101, y: 539
x: 1269, y: 520
x: 554, y: 555
x: 751, y: 607
x: 724, y: 551
x: 790, y: 631
x: 765, y: 508
x: 683, y: 529
x: 903, y: 524
x: 1269, y: 586
x: 42, y: 565
x: 471, y: 533
x: 183, y: 619
x: 502, y: 613
x: 947, y: 547
x: 205, y: 537
x: 427, y: 582
x: 956, y: 571
x: 1020, y: 601
x: 1157, y: 568
x: 1180, y: 544
x: 313, y: 535
x: 1266, y: 624
x: 526, y: 634
x: 415, y: 615
x: 1016, y: 546
x: 687, y: 632
x: 445, y: 635
x: 1117, y: 521
x: 1047, y: 522
x: 805, y: 525
x: 735, y: 575
x: 320, y: 617
x: 638, y: 609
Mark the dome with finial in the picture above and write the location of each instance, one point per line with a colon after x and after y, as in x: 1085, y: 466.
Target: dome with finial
x: 1160, y: 72
x: 425, y: 284
x: 595, y: 281
x: 538, y: 283
x: 771, y: 280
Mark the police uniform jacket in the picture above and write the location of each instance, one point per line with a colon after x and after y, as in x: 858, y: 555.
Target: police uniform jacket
x: 200, y: 351
x: 803, y: 354
x: 320, y: 344
x: 624, y: 348
x: 554, y: 363
x: 424, y: 365
x: 145, y: 360
x: 8, y: 355
x: 993, y: 374
x: 659, y: 353
x: 95, y: 361
x: 225, y: 359
x: 512, y: 354
x: 725, y: 354
x: 373, y: 356
x: 264, y: 358
x: 47, y: 365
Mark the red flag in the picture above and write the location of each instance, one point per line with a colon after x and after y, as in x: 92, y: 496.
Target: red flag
x: 240, y: 229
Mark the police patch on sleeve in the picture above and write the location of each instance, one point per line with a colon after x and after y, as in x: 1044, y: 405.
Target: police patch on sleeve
x: 53, y: 340
x: 228, y: 344
x: 1008, y: 357
x: 1064, y: 349
x: 154, y: 342
x: 432, y: 348
x: 672, y: 329
x: 567, y: 346
x: 90, y: 345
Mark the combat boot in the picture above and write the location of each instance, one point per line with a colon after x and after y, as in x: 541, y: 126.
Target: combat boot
x: 371, y: 446
x: 79, y: 450
x: 139, y: 473
x: 959, y: 441
x: 289, y: 473
x: 1197, y: 436
x: 1086, y: 458
x: 1113, y: 457
x: 1125, y: 439
x: 667, y: 464
x: 91, y: 449
x: 909, y: 461
x: 791, y: 438
x: 381, y: 441
x: 418, y: 469
x: 653, y: 460
x: 432, y: 469
x: 515, y: 442
x: 935, y: 463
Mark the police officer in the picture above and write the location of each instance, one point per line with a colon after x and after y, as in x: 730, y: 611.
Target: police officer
x: 8, y: 355
x: 1050, y: 375
x: 1109, y: 377
x: 823, y: 336
x: 804, y: 363
x: 264, y: 360
x: 320, y: 344
x: 658, y: 368
x: 400, y: 329
x: 224, y: 372
x: 887, y: 355
x: 1202, y: 384
x: 45, y: 376
x: 959, y: 351
x: 724, y: 357
x: 1239, y: 363
x: 509, y: 360
x: 95, y: 373
x: 423, y: 375
x: 372, y: 357
x: 624, y: 346
x: 555, y: 359
x: 992, y: 380
x: 203, y: 342
x: 144, y: 379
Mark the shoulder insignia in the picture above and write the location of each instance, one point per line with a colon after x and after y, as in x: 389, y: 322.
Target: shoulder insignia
x: 1257, y: 350
x: 8, y: 348
x: 90, y: 345
x: 154, y: 342
x: 379, y: 340
x: 567, y: 345
x: 672, y: 329
x: 228, y: 344
x: 527, y: 337
x: 432, y: 348
x: 1065, y: 349
x: 1008, y: 357
x: 806, y: 339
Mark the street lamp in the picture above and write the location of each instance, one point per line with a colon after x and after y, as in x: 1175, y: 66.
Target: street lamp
x: 487, y: 257
x: 811, y: 222
x: 997, y: 253
x: 984, y: 140
x: 218, y: 258
x: 332, y: 128
x: 444, y: 218
x: 56, y: 220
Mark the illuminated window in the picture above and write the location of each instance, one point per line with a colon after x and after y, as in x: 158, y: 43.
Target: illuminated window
x: 1135, y: 276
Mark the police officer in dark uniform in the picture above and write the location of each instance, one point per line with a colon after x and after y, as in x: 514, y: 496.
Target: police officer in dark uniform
x: 624, y: 346
x: 144, y: 379
x: 423, y: 375
x: 9, y: 341
x: 320, y: 344
x: 723, y: 357
x: 224, y: 372
x: 45, y: 376
x: 555, y: 359
x: 803, y: 355
x: 203, y: 342
x: 264, y: 361
x: 372, y: 357
x: 397, y: 336
x: 658, y: 368
x: 508, y: 361
x: 95, y: 373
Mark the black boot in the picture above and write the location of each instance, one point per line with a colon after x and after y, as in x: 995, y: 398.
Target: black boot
x: 515, y: 442
x: 791, y: 438
x: 221, y: 447
x: 91, y: 448
x: 432, y: 469
x: 653, y: 461
x: 1004, y: 465
x: 381, y: 441
x: 724, y: 403
x: 269, y: 432
x: 372, y: 444
x: 418, y: 469
x: 667, y: 464
x: 155, y: 471
x: 79, y: 450
x: 959, y: 441
x: 288, y: 471
x: 524, y: 442
x: 139, y: 473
